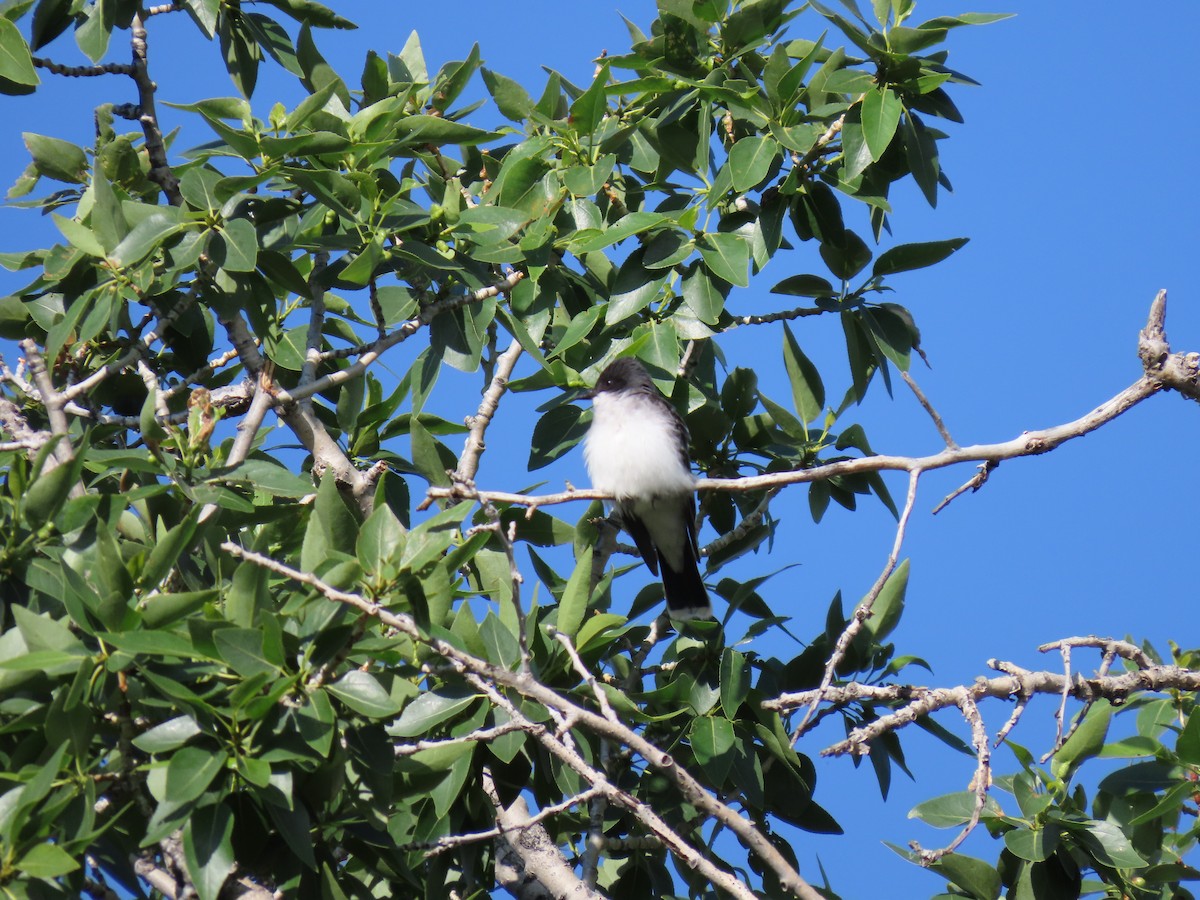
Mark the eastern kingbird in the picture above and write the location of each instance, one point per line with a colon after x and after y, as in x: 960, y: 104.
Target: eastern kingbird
x: 637, y: 450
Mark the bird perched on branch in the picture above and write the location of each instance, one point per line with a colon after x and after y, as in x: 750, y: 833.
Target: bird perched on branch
x: 637, y: 450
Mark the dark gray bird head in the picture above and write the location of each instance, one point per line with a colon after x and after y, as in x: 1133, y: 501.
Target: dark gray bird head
x: 624, y: 374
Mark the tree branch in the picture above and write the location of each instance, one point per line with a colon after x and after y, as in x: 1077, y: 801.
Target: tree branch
x: 1164, y: 370
x: 160, y: 168
x: 485, y: 674
x: 468, y: 460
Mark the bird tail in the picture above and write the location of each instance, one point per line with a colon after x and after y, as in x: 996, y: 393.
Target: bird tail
x: 687, y: 598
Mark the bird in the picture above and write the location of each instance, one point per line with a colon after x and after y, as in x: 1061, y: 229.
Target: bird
x: 636, y: 449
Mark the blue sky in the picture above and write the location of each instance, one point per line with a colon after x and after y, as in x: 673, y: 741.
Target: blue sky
x: 1074, y: 177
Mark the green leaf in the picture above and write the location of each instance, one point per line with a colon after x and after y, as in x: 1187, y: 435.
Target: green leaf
x: 1086, y: 742
x: 167, y: 550
x: 633, y: 289
x: 735, y: 680
x: 847, y: 257
x: 805, y: 286
x: 712, y: 739
x: 55, y: 158
x: 429, y: 710
x: 46, y: 860
x: 904, y: 257
x: 951, y: 810
x: 243, y: 649
x: 808, y: 392
x: 47, y: 494
x: 727, y: 256
x: 270, y: 478
x: 240, y: 242
x: 889, y: 605
x: 631, y: 224
x: 190, y: 772
x: 208, y: 849
x: 976, y: 877
x: 364, y: 694
x: 1109, y: 845
x: 16, y: 64
x: 81, y: 236
x: 168, y: 735
x: 881, y: 110
x: 702, y: 295
x: 146, y: 235
x: 750, y: 159
x: 920, y: 150
x: 1188, y: 746
x: 589, y: 108
x: 1033, y: 845
x: 426, y: 129
x: 577, y: 593
x: 511, y: 98
x: 381, y: 540
x: 555, y: 433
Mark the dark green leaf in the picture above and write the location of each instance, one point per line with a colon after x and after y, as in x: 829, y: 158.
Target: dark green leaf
x: 905, y: 257
x: 889, y: 605
x: 208, y: 849
x: 555, y: 433
x: 973, y: 875
x: 805, y: 286
x: 808, y: 392
x: 169, y: 735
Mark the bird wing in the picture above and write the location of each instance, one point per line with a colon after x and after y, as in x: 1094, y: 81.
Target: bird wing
x: 633, y: 524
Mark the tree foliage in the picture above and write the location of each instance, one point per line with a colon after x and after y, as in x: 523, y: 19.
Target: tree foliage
x: 316, y: 662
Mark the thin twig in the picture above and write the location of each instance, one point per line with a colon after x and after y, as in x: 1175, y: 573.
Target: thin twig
x: 468, y: 461
x: 928, y: 407
x: 863, y: 611
x: 979, y: 784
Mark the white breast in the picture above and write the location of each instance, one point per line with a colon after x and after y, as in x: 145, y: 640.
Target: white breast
x: 630, y: 449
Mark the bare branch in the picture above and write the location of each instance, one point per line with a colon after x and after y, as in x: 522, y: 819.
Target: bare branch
x: 980, y: 784
x: 480, y: 736
x: 82, y: 71
x: 468, y: 461
x: 863, y: 611
x: 484, y: 674
x: 928, y: 407
x: 749, y: 522
x: 532, y: 867
x: 799, y: 312
x: 160, y: 169
x: 822, y: 142
x: 979, y: 480
x: 372, y: 351
x: 1017, y: 682
x: 646, y: 814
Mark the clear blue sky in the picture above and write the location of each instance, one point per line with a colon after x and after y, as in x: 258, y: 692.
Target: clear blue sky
x: 1075, y: 179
